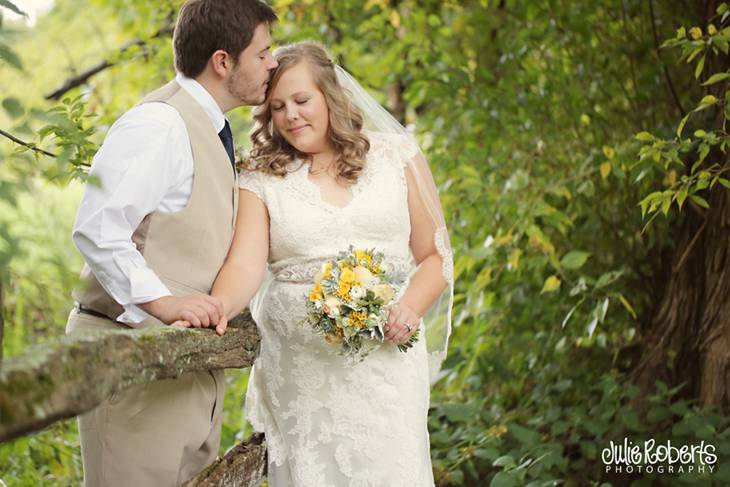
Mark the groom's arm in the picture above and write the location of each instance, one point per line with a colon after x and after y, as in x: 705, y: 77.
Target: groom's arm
x: 144, y: 165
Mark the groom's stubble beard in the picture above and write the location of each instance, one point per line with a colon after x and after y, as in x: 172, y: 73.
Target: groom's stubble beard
x: 244, y: 89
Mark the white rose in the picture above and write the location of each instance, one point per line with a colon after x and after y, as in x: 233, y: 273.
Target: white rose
x: 357, y: 292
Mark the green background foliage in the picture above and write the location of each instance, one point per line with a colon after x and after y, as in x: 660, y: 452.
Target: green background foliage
x: 559, y: 144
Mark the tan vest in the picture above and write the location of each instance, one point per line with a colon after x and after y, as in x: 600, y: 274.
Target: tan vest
x: 186, y: 249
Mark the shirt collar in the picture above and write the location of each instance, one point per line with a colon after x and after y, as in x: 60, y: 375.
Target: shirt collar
x: 205, y: 100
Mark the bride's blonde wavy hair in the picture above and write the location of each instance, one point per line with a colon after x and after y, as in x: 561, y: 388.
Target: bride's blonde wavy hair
x: 272, y: 154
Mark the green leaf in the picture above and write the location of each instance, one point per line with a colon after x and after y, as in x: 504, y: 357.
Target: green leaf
x: 601, y: 309
x: 607, y: 278
x: 10, y: 57
x: 627, y: 305
x: 592, y: 327
x: 13, y: 107
x: 699, y: 200
x: 457, y: 412
x: 10, y: 5
x: 716, y: 78
x: 526, y: 436
x: 503, y: 479
x: 506, y: 461
x: 681, y: 125
x: 644, y: 137
x: 681, y: 196
x: 700, y: 67
x: 705, y: 102
x: 574, y: 259
x: 570, y: 313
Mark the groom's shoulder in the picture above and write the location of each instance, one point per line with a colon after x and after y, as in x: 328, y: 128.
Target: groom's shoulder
x: 152, y: 114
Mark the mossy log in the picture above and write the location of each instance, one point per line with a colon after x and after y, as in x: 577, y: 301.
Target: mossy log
x: 243, y: 466
x: 73, y: 374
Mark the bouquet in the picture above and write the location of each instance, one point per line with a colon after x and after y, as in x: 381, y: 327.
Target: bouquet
x: 348, y: 302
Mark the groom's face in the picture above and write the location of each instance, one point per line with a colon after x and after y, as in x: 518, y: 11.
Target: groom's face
x: 250, y: 78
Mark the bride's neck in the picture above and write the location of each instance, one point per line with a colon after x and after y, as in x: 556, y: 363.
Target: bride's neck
x: 321, y: 161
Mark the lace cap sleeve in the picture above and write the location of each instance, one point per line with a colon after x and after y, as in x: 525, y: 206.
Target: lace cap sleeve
x: 252, y: 181
x: 397, y: 149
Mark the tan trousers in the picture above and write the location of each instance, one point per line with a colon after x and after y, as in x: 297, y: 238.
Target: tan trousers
x: 157, y: 434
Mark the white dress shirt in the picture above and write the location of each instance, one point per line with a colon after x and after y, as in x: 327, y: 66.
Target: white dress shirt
x: 144, y: 165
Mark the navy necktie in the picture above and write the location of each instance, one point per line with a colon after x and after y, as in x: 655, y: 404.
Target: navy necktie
x: 227, y: 139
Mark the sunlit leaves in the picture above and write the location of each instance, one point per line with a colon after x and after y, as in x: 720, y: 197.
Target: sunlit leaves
x: 551, y: 284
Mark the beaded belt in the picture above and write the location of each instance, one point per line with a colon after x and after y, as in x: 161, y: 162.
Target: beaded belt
x: 303, y: 271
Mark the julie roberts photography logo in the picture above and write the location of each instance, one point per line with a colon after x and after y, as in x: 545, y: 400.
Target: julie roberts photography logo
x: 653, y: 457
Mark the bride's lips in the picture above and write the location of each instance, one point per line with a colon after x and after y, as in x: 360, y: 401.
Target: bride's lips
x: 297, y: 130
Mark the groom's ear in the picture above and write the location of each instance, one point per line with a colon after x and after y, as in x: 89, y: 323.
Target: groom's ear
x: 221, y: 62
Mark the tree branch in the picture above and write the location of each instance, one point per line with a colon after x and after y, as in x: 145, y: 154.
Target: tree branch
x: 243, y: 466
x: 73, y: 374
x: 26, y: 144
x: 84, y: 76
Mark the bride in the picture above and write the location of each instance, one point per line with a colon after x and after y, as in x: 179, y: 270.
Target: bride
x: 330, y: 168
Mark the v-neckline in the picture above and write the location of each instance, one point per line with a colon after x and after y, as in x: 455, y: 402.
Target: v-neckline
x: 317, y: 190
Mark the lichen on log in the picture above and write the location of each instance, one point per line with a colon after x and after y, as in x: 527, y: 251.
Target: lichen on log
x: 243, y: 466
x: 73, y: 374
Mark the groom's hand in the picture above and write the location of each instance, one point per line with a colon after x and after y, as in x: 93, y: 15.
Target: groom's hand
x: 198, y: 310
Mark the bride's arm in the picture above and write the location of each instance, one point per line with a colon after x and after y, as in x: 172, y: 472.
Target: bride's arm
x: 428, y: 282
x: 242, y: 273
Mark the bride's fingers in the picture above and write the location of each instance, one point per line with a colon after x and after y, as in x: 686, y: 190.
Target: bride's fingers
x: 391, y: 326
x: 181, y: 324
x: 220, y: 328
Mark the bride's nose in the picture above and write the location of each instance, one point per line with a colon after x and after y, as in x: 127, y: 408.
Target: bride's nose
x: 292, y: 114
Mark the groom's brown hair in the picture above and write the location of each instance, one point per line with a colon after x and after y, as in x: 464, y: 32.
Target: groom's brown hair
x: 204, y: 26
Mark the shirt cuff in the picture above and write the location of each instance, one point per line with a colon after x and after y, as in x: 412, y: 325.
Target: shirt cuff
x: 133, y: 314
x: 144, y: 286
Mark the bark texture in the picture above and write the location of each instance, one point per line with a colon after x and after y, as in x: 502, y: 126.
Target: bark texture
x: 72, y: 375
x: 243, y: 466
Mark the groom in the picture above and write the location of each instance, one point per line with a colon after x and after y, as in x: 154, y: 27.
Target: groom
x: 155, y: 233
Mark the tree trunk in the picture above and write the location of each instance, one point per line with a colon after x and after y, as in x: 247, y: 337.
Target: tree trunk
x: 688, y: 338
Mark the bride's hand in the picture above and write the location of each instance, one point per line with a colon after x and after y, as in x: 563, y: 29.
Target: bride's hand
x: 400, y: 319
x: 220, y: 328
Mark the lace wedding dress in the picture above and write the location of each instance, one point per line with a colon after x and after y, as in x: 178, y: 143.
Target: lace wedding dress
x: 330, y: 422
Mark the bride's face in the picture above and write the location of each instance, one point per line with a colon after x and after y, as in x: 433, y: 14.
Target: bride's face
x: 299, y: 110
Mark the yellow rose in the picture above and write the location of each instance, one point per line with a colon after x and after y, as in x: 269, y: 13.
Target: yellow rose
x: 711, y: 29
x: 363, y: 275
x: 347, y: 275
x: 384, y: 292
x: 695, y: 32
